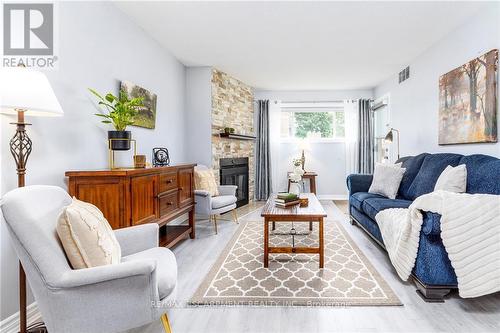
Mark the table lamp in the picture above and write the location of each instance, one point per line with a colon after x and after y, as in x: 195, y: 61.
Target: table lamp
x: 25, y: 92
x: 303, y: 145
x: 389, y: 138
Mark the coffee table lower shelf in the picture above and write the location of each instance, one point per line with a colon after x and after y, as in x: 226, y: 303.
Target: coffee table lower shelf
x: 288, y: 249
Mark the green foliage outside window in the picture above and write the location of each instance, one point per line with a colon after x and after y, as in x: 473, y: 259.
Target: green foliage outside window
x: 328, y: 124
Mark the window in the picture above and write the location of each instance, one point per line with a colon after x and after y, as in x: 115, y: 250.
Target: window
x: 322, y: 124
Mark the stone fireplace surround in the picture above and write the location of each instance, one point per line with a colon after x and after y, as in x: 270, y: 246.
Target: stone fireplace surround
x: 232, y: 106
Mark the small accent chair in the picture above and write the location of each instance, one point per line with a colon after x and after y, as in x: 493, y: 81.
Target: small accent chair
x: 213, y: 206
x: 110, y: 298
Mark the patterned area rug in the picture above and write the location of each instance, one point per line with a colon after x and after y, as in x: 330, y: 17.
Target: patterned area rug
x: 239, y: 278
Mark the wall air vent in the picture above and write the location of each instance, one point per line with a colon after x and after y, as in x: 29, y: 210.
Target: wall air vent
x: 404, y: 74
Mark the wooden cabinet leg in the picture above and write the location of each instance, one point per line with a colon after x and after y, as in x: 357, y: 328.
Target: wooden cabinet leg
x: 274, y: 226
x: 321, y: 244
x: 312, y: 184
x: 310, y: 226
x: 266, y: 243
x: 192, y: 234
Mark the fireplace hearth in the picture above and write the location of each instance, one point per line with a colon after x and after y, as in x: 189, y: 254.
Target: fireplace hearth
x: 234, y: 171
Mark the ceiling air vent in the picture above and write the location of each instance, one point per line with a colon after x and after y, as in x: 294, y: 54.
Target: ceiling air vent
x: 404, y: 74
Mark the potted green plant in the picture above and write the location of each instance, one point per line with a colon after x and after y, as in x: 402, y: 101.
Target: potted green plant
x: 122, y: 111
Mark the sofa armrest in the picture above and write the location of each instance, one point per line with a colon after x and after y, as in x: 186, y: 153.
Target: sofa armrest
x: 358, y: 183
x: 137, y: 238
x: 432, y: 224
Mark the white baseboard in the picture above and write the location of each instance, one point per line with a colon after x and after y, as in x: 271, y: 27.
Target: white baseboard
x: 11, y: 324
x: 333, y: 197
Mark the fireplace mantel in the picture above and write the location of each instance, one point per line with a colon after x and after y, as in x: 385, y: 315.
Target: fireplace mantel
x: 237, y: 136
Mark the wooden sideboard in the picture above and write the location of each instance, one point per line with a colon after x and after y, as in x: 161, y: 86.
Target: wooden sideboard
x: 129, y: 197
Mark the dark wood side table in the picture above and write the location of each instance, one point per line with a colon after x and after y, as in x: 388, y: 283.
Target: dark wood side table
x: 312, y: 180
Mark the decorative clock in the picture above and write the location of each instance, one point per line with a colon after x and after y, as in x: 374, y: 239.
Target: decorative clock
x: 160, y: 157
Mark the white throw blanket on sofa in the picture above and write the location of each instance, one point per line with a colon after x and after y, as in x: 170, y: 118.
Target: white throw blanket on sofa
x: 470, y: 230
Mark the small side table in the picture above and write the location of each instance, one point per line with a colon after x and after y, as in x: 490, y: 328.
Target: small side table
x: 312, y: 180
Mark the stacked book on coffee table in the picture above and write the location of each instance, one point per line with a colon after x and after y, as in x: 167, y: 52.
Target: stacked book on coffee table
x: 284, y: 200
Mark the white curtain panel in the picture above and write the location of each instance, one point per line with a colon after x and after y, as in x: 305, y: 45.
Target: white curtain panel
x: 351, y: 137
x: 274, y: 142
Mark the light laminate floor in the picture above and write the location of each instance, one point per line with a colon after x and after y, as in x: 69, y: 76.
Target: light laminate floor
x: 195, y: 258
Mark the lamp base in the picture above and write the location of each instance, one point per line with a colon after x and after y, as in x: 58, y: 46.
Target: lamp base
x: 303, y: 160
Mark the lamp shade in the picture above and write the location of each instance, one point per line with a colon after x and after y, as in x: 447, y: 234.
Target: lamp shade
x: 29, y: 90
x: 304, y: 144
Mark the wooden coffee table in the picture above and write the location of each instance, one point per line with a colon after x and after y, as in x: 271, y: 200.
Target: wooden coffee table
x: 314, y: 212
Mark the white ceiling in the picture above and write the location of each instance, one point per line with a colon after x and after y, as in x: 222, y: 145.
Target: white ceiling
x: 300, y: 45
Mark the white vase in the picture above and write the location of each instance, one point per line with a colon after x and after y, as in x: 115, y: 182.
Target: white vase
x: 295, y: 188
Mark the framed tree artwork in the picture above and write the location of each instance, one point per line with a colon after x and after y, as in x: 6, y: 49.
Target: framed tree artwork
x: 147, y: 114
x: 468, y: 102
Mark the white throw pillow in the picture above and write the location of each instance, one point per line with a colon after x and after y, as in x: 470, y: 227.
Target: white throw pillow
x: 86, y: 236
x: 386, y: 179
x: 452, y: 179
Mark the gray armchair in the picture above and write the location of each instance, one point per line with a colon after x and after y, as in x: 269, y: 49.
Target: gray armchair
x: 110, y: 298
x: 213, y: 206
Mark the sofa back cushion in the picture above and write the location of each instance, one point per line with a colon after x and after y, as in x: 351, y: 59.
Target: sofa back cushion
x: 483, y: 174
x: 430, y: 170
x: 412, y: 165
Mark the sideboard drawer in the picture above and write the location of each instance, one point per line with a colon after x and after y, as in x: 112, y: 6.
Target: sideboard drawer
x: 168, y: 181
x: 168, y: 203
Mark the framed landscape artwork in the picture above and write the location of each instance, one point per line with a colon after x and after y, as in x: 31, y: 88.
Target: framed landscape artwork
x: 147, y: 114
x: 468, y: 102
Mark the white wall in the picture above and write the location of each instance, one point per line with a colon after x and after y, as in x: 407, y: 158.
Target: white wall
x: 99, y: 46
x: 414, y: 103
x: 198, y: 130
x: 326, y: 159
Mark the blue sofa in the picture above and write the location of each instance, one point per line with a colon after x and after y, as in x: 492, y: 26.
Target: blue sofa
x: 433, y: 274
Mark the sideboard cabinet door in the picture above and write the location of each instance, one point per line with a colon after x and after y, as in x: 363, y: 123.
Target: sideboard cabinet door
x: 105, y: 193
x: 186, y: 186
x: 143, y: 192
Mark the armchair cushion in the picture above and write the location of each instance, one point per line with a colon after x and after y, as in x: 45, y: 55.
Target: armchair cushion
x: 166, y: 267
x: 86, y: 236
x: 222, y: 201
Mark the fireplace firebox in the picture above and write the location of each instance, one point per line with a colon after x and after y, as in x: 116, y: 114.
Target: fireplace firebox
x: 234, y: 171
